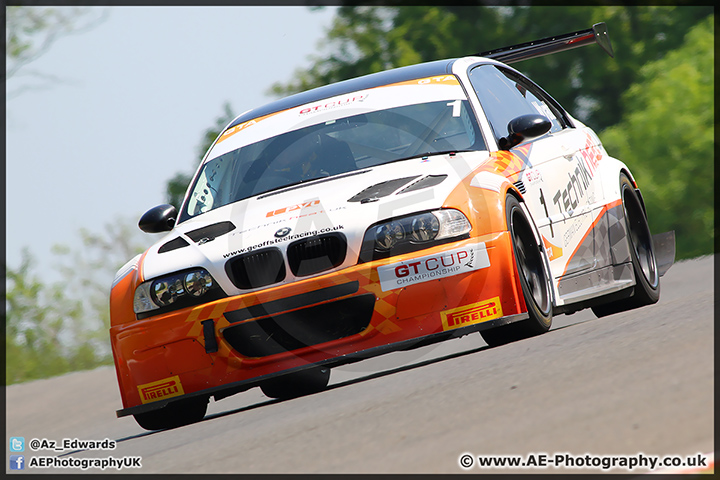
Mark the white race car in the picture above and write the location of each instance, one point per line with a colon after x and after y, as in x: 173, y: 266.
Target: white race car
x: 381, y: 213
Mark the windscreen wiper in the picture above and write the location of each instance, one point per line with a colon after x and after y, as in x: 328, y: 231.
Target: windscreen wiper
x: 429, y: 154
x: 307, y: 183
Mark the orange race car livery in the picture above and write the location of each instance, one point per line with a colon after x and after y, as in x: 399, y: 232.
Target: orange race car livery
x: 382, y: 213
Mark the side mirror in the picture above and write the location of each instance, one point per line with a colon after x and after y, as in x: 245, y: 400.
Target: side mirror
x: 524, y: 127
x: 158, y: 219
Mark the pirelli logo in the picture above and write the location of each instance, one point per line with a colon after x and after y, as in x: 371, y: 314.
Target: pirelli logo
x: 471, y: 314
x: 160, y: 389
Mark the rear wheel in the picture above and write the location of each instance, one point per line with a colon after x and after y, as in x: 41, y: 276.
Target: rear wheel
x: 174, y: 414
x: 304, y: 382
x: 647, y: 279
x: 533, y: 277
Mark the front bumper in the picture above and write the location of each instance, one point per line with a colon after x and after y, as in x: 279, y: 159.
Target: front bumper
x: 235, y: 343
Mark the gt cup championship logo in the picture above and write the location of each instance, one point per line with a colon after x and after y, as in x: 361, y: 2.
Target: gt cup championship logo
x: 433, y: 267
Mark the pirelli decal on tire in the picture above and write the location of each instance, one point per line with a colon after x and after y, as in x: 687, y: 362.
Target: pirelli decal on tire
x: 471, y: 314
x: 160, y: 389
x: 434, y: 267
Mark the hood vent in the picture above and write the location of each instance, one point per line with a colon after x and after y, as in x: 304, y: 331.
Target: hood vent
x: 174, y: 244
x: 211, y: 232
x: 425, y: 182
x: 381, y: 189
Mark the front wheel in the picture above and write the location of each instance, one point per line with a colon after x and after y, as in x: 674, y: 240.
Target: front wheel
x: 297, y: 384
x: 174, y: 414
x: 533, y: 276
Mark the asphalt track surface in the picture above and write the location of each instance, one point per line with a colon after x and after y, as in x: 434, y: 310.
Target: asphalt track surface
x: 635, y: 382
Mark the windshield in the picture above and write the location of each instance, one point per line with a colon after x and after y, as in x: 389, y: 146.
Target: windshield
x: 337, y: 145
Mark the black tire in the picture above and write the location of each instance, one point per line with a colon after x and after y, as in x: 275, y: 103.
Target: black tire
x: 642, y: 255
x: 533, y: 276
x: 304, y: 382
x: 174, y: 414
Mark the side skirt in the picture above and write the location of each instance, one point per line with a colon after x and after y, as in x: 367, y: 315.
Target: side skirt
x: 596, y: 283
x: 613, y: 282
x: 590, y: 288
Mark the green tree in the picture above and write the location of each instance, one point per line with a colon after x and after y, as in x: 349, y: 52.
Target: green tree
x: 59, y: 327
x: 368, y: 39
x: 45, y: 333
x: 50, y: 328
x: 667, y: 139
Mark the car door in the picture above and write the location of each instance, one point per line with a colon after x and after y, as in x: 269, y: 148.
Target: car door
x: 550, y: 173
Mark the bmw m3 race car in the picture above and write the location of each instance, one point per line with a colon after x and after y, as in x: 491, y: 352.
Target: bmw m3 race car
x: 377, y: 214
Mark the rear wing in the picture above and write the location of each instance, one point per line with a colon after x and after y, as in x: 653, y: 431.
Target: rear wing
x: 537, y: 48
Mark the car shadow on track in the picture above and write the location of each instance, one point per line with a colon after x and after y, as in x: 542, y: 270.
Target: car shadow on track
x: 404, y: 368
x: 353, y: 381
x: 345, y: 383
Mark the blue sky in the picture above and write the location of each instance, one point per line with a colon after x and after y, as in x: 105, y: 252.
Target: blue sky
x: 132, y: 99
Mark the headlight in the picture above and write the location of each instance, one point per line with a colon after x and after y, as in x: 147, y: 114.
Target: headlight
x: 167, y: 290
x: 198, y: 283
x: 424, y: 228
x: 413, y: 232
x: 172, y: 292
x: 388, y: 235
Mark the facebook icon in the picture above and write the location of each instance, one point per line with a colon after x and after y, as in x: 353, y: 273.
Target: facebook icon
x: 17, y: 462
